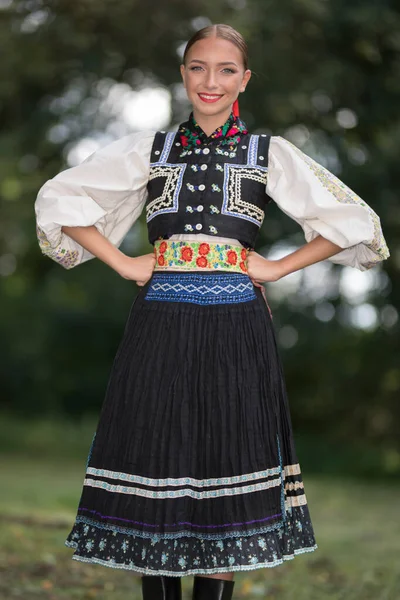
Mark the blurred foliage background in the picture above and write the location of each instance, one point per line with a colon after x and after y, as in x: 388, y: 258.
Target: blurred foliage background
x: 77, y: 75
x: 326, y: 75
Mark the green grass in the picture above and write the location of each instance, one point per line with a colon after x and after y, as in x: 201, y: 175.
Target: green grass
x: 356, y: 526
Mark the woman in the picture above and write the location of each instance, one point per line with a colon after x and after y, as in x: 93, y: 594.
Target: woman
x: 193, y: 469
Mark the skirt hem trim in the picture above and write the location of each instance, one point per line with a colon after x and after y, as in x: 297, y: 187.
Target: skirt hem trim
x: 228, y: 569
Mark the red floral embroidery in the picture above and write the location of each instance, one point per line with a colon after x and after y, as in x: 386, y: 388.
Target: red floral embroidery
x: 204, y: 248
x: 192, y: 135
x: 201, y: 261
x: 232, y: 257
x: 204, y: 255
x: 232, y: 131
x: 187, y: 254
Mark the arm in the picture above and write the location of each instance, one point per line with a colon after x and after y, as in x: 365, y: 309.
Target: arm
x: 337, y: 224
x: 261, y: 269
x: 107, y: 192
x: 138, y: 268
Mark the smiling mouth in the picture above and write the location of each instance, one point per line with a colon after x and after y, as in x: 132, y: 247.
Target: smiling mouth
x: 210, y: 97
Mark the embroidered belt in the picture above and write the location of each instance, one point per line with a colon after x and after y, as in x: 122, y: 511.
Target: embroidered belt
x: 215, y: 288
x: 190, y: 255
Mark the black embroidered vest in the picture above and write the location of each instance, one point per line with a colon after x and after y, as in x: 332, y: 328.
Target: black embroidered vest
x: 208, y: 189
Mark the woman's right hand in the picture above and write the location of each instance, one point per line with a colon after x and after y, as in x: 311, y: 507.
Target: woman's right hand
x: 137, y: 268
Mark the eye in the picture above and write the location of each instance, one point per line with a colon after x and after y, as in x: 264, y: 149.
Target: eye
x: 230, y: 71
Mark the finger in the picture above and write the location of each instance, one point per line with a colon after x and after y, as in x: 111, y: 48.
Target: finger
x: 256, y: 283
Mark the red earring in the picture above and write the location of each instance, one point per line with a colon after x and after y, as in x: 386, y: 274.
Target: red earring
x: 235, y: 108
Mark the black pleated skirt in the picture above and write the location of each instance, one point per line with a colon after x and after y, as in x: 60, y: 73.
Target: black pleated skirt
x: 192, y: 467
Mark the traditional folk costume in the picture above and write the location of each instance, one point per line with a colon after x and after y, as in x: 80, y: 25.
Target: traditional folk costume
x: 193, y: 467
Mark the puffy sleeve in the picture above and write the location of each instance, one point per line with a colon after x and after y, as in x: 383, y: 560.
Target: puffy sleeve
x: 323, y: 205
x: 107, y: 190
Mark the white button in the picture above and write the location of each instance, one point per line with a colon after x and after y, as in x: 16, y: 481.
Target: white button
x: 200, y: 207
x: 202, y: 187
x: 203, y: 167
x: 263, y: 135
x: 177, y: 144
x: 199, y: 226
x: 157, y: 152
x: 261, y: 157
x: 244, y: 147
x: 206, y: 150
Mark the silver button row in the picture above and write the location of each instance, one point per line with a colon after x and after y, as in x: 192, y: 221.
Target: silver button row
x: 199, y: 208
x: 205, y: 151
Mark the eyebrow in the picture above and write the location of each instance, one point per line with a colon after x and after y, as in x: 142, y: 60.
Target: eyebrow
x: 218, y: 64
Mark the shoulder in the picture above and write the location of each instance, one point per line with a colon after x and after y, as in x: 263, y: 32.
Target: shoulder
x: 139, y: 142
x: 283, y: 152
x: 277, y: 141
x: 283, y: 147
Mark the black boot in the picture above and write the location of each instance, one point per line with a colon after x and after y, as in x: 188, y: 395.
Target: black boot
x: 210, y: 588
x: 161, y: 587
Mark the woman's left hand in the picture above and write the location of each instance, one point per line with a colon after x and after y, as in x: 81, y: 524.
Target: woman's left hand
x: 261, y: 269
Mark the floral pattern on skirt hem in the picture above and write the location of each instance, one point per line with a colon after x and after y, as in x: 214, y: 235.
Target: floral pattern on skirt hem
x: 180, y: 557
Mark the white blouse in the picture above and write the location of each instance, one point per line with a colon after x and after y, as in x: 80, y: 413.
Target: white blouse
x: 108, y: 190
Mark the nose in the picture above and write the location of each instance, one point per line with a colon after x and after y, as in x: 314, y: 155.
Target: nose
x: 210, y: 80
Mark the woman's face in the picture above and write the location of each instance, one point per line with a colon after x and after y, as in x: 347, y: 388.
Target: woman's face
x: 214, y: 75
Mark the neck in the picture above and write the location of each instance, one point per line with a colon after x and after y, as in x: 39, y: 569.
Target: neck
x: 210, y: 123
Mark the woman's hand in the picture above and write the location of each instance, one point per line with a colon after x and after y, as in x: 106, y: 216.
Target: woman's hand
x: 137, y: 268
x: 261, y: 269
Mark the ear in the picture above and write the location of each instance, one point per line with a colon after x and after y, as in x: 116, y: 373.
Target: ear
x: 245, y: 80
x: 182, y: 69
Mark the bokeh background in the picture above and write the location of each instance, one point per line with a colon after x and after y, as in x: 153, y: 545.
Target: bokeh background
x: 74, y: 76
